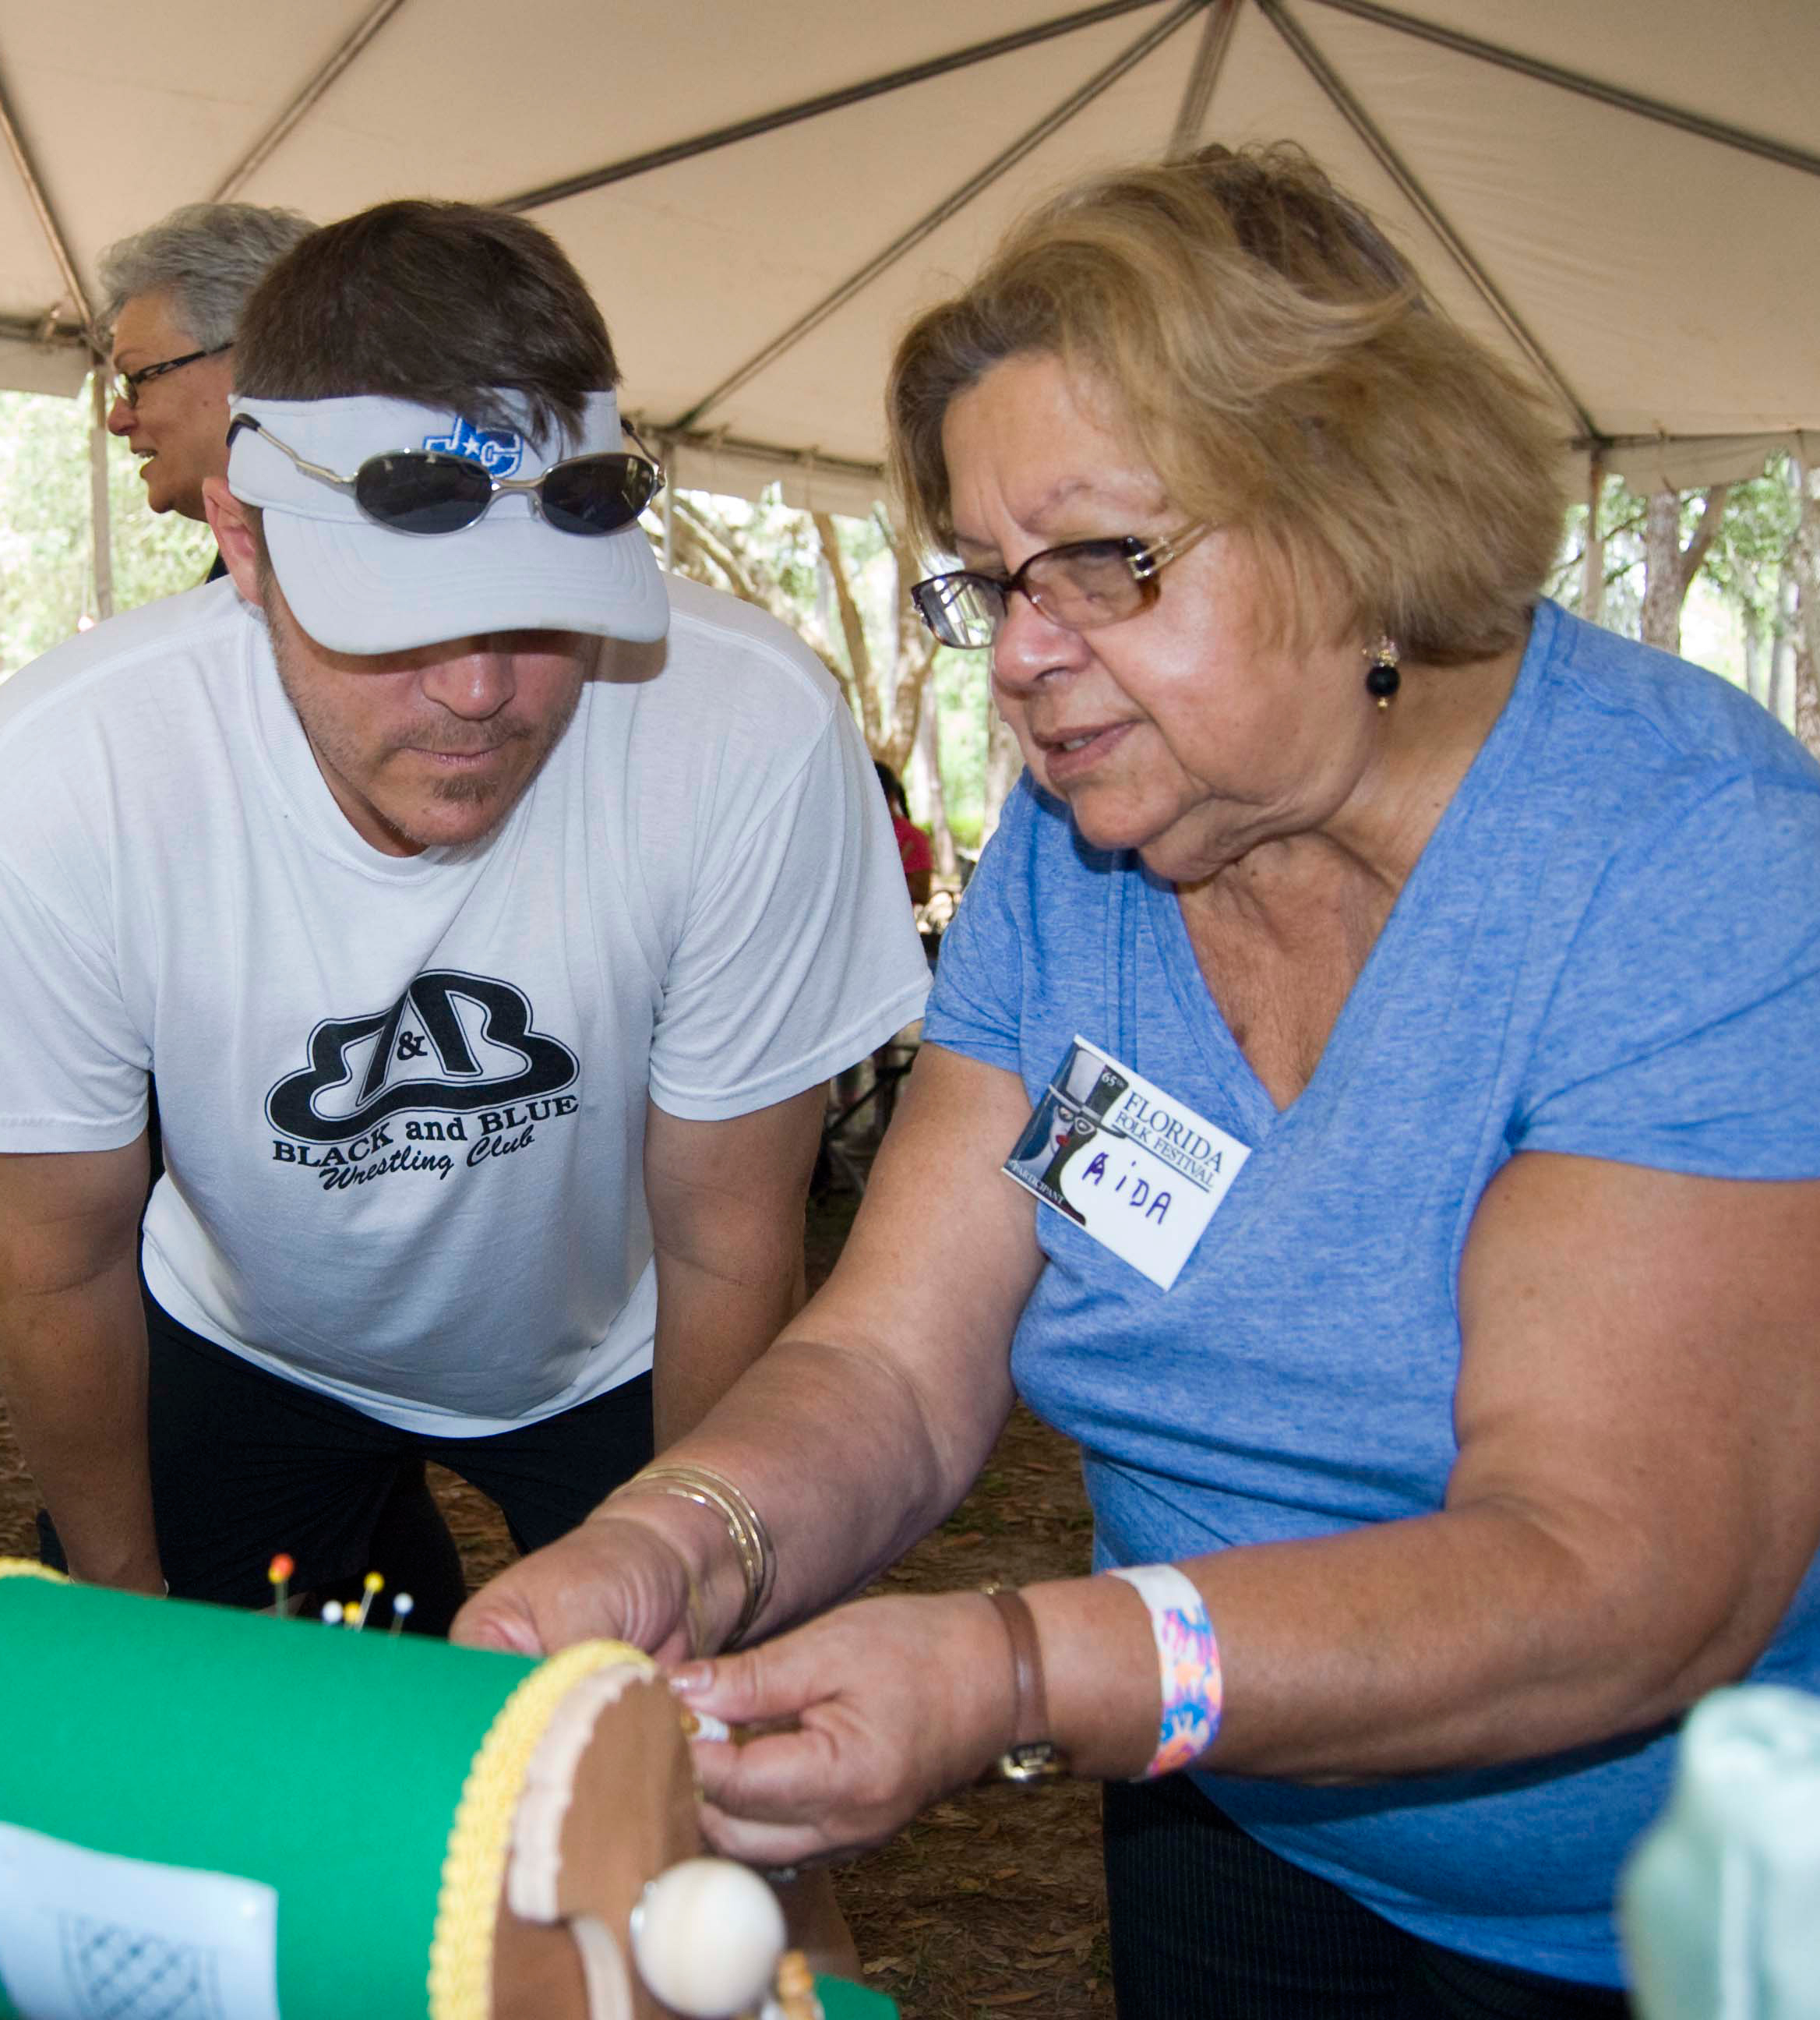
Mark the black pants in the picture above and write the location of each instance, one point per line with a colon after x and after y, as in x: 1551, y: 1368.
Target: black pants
x: 1208, y: 1925
x: 245, y: 1465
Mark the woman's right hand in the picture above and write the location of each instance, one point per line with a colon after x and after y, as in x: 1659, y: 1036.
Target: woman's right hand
x: 857, y: 1721
x: 614, y: 1577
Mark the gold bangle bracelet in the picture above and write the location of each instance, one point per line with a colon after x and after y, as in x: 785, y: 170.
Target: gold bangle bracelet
x: 745, y: 1527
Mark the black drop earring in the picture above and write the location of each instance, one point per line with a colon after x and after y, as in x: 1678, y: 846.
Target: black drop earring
x: 1381, y: 678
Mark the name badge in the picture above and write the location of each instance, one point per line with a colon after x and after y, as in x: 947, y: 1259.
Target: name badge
x: 1142, y: 1173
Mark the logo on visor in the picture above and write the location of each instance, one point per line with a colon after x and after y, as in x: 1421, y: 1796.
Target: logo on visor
x: 498, y: 451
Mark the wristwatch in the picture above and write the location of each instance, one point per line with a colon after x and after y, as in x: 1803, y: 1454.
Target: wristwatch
x: 1030, y: 1758
x: 1034, y: 1760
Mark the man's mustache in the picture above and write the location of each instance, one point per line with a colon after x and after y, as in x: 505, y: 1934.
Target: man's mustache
x: 442, y: 745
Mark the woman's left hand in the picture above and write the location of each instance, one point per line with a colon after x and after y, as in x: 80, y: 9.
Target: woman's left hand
x: 889, y: 1703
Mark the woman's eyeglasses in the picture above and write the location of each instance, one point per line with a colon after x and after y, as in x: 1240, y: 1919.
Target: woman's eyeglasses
x: 422, y: 491
x: 1083, y: 584
x: 124, y: 385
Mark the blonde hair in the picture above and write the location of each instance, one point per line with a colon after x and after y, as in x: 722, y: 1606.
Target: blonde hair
x: 1284, y: 375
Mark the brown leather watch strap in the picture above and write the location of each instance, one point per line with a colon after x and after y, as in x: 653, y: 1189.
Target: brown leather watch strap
x: 1030, y: 1719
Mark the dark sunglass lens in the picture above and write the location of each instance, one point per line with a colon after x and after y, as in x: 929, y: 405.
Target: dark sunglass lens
x: 415, y: 492
x: 597, y: 494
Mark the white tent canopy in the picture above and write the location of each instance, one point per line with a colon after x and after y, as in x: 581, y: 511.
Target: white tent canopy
x: 1624, y: 197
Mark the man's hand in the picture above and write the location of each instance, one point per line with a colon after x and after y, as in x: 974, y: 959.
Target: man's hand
x: 612, y: 1577
x: 888, y: 1704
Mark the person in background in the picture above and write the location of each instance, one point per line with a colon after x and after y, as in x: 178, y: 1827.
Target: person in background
x: 1418, y: 993
x: 913, y: 847
x: 172, y: 294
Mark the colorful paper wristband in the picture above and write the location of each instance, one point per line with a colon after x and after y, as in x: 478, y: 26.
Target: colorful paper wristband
x: 1188, y: 1657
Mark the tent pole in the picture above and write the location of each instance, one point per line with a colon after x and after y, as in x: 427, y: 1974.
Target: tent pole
x: 1593, y: 550
x: 1349, y: 108
x: 100, y: 516
x: 1002, y: 164
x: 1209, y: 58
x: 313, y: 88
x: 813, y: 108
x: 1701, y: 128
x: 47, y: 220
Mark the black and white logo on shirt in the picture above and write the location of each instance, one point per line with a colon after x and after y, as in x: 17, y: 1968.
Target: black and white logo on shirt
x: 452, y: 1042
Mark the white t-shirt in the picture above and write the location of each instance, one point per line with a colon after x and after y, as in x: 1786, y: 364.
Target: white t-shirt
x: 402, y: 1098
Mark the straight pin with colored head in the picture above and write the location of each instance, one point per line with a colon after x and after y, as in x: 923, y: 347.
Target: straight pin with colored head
x: 370, y: 1588
x: 279, y: 1573
x: 401, y: 1605
x: 331, y: 1612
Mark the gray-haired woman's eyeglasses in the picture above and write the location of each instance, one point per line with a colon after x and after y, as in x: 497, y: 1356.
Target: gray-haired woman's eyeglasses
x: 124, y: 385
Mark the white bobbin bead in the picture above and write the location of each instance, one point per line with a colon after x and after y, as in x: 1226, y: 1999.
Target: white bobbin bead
x: 707, y: 1935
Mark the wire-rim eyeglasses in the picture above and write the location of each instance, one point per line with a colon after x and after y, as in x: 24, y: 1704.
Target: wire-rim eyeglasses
x: 1079, y: 586
x: 124, y: 385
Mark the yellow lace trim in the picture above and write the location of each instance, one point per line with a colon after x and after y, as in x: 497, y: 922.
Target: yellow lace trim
x: 24, y: 1568
x: 473, y: 1869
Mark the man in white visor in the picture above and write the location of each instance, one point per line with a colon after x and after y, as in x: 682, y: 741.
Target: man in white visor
x: 492, y: 911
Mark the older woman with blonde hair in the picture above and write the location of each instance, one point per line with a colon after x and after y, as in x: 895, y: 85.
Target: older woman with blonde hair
x: 1370, y: 1099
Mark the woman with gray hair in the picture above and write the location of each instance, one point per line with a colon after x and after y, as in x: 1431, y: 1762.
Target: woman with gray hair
x: 1370, y: 1098
x: 173, y: 296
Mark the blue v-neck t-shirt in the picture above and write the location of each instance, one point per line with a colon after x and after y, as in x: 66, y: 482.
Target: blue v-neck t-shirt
x: 1609, y: 947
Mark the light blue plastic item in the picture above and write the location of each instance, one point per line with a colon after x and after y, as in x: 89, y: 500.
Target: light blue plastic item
x: 1719, y: 1904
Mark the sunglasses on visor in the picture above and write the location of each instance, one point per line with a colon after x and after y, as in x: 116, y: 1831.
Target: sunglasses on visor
x: 423, y: 490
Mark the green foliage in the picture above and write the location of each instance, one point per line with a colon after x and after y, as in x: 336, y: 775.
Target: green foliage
x: 46, y: 564
x: 963, y: 696
x: 1743, y: 566
x: 1745, y: 559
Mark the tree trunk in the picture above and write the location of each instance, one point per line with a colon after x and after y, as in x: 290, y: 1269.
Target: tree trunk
x: 1804, y: 566
x: 1004, y: 760
x: 1756, y: 665
x: 1782, y: 654
x: 1807, y: 701
x: 1668, y: 569
x: 1661, y: 602
x: 697, y: 539
x: 864, y: 685
x: 927, y: 758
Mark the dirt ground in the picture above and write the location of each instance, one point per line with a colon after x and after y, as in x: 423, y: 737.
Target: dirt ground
x: 991, y: 1903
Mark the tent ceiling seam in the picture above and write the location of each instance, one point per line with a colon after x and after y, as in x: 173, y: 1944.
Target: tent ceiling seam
x: 1770, y: 437
x: 47, y: 333
x: 1362, y: 124
x: 712, y: 441
x: 812, y: 108
x: 1077, y: 101
x: 1717, y: 131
